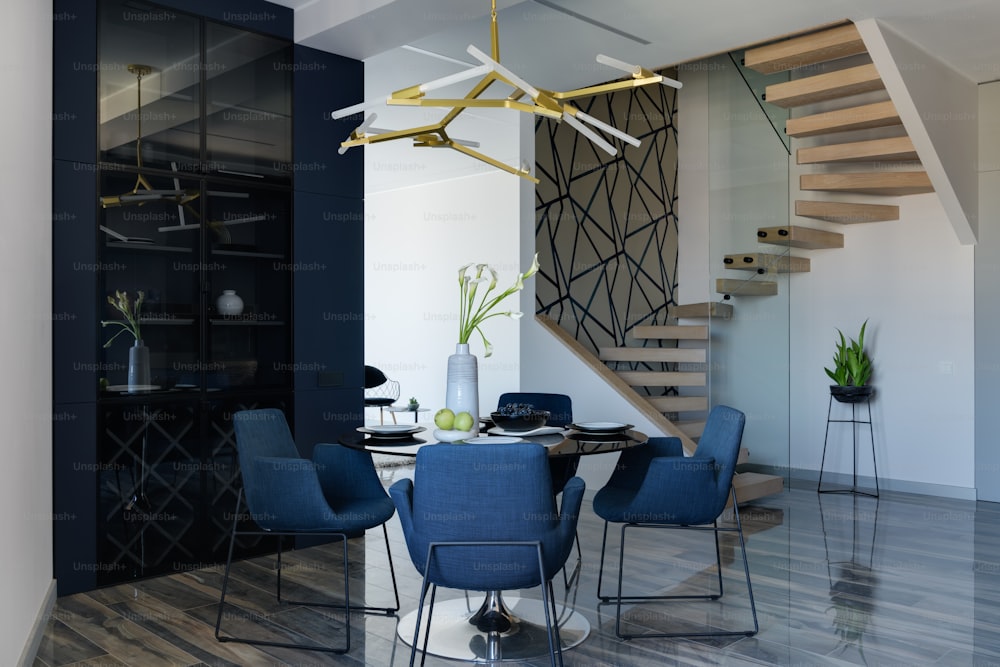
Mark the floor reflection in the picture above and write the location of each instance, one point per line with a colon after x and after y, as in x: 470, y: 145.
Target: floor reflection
x: 850, y: 526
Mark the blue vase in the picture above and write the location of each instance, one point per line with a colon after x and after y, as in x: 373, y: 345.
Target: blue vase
x: 138, y: 367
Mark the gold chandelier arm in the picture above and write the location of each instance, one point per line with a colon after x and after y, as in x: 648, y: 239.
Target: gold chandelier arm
x: 505, y: 103
x: 448, y: 143
x: 389, y: 136
x: 604, y: 88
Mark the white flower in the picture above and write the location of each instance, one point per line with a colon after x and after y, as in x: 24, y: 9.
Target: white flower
x: 471, y: 314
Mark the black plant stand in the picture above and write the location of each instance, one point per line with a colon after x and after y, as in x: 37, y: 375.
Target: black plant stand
x: 854, y: 422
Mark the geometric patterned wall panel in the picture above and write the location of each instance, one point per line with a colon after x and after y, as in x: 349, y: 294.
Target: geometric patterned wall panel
x: 606, y: 226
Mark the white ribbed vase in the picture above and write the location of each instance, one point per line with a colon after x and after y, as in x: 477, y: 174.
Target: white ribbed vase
x: 462, y: 393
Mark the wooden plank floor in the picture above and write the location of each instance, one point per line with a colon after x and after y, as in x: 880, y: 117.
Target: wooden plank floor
x: 838, y: 579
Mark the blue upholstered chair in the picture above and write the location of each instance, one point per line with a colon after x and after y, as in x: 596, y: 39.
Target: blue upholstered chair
x: 561, y: 468
x: 656, y: 486
x: 338, y: 494
x: 560, y: 407
x: 483, y: 517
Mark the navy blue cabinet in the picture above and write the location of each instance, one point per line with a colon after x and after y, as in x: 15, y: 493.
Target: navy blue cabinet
x: 180, y: 134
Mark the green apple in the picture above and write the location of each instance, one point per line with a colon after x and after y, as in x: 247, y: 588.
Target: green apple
x: 444, y: 419
x: 463, y: 421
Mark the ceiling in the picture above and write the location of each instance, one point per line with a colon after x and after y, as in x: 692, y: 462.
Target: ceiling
x: 552, y: 43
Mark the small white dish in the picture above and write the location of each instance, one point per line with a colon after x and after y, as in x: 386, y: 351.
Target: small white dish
x: 451, y: 435
x: 493, y: 440
x: 541, y: 430
x: 600, y: 427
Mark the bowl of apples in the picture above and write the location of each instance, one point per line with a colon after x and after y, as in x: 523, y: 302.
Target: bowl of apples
x: 453, y: 427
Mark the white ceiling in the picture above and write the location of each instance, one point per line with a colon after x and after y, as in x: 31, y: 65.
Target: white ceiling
x: 552, y: 43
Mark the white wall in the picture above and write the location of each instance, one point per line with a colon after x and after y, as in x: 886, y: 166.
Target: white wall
x: 26, y: 329
x: 427, y: 213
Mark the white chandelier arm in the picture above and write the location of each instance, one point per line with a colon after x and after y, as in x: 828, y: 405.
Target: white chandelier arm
x: 610, y: 129
x: 358, y: 132
x: 504, y: 72
x: 481, y: 70
x: 355, y: 108
x: 634, y: 70
x: 589, y: 133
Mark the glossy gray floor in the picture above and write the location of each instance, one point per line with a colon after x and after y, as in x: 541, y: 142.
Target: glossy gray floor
x: 838, y: 579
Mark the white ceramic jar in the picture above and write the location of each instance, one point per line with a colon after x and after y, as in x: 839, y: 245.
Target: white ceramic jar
x: 229, y: 303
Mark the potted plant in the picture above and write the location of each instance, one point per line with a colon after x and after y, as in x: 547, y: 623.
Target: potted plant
x: 852, y: 369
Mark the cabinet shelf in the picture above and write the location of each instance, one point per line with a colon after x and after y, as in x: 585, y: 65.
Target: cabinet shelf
x: 147, y: 247
x: 166, y: 321
x: 248, y: 253
x: 246, y: 322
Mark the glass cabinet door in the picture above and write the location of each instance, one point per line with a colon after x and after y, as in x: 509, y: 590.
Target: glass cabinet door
x: 150, y: 66
x: 248, y: 104
x: 151, y: 246
x: 249, y: 283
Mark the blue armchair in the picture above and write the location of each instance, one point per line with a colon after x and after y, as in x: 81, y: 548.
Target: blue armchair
x: 483, y: 518
x: 337, y: 494
x: 560, y: 407
x: 656, y: 486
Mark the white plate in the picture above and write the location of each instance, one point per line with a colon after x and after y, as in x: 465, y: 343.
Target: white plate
x: 451, y: 436
x: 541, y: 430
x: 185, y: 386
x: 493, y: 440
x: 392, y: 428
x: 600, y: 427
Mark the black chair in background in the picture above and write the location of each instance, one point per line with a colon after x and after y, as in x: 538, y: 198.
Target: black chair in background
x: 380, y: 392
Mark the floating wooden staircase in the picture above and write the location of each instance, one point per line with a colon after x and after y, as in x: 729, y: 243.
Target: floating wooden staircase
x: 827, y: 49
x: 881, y: 166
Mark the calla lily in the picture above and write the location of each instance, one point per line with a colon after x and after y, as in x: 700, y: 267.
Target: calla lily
x: 131, y: 313
x: 471, y: 315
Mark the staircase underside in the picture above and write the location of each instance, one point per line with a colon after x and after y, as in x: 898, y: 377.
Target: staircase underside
x: 748, y: 486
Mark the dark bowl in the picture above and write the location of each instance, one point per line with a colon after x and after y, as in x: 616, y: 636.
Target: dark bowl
x: 529, y: 422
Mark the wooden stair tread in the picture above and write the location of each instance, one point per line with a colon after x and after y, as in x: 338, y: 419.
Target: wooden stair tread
x: 752, y: 485
x: 892, y: 149
x: 679, y: 403
x: 746, y: 287
x: 832, y: 44
x: 671, y: 331
x: 879, y: 114
x: 822, y: 87
x: 661, y: 354
x: 663, y: 378
x: 889, y: 183
x: 846, y: 213
x: 764, y: 262
x: 800, y: 237
x: 692, y: 428
x: 703, y: 309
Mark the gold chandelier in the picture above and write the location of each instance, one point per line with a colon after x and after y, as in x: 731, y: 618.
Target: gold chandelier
x: 554, y: 105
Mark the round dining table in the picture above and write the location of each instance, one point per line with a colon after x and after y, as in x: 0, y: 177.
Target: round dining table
x: 499, y: 628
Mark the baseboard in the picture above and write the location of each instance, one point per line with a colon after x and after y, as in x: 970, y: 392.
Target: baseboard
x: 38, y: 628
x: 802, y: 478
